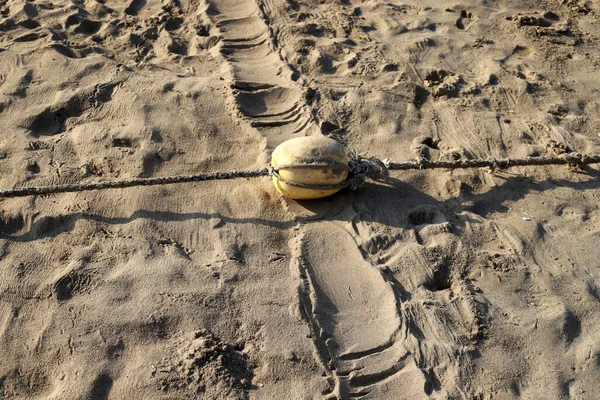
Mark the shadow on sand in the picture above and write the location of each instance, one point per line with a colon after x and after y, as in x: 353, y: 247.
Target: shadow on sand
x: 389, y: 204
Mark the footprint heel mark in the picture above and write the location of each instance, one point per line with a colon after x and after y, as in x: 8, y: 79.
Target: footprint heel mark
x: 77, y: 23
x: 135, y: 7
x: 465, y: 20
x: 101, y: 387
x: 65, y: 51
x: 29, y: 24
x: 353, y: 312
x: 571, y: 326
x: 11, y: 223
x: 76, y: 280
x: 29, y: 37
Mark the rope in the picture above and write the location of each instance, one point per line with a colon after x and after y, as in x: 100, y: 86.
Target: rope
x: 360, y: 170
x: 81, y: 187
x: 572, y: 159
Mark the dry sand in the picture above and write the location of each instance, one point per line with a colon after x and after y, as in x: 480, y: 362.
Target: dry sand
x: 442, y: 285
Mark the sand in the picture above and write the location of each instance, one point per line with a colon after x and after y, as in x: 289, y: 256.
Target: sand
x: 466, y: 284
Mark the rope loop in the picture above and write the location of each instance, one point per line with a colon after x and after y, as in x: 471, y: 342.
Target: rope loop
x: 359, y: 169
x: 494, y: 167
x: 274, y: 172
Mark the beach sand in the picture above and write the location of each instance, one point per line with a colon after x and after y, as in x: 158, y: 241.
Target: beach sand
x: 465, y: 284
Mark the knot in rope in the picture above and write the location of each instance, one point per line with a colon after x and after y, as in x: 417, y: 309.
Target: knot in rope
x: 574, y: 160
x: 365, y: 167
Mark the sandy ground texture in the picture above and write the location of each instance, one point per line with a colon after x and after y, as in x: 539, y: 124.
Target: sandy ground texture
x: 467, y: 284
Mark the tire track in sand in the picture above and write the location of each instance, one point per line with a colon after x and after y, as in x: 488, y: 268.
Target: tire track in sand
x: 352, y: 309
x: 263, y: 85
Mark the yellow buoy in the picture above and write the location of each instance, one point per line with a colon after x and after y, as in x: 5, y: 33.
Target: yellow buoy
x: 309, y: 167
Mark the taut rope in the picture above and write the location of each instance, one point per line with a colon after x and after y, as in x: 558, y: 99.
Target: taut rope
x: 360, y: 169
x: 124, y: 183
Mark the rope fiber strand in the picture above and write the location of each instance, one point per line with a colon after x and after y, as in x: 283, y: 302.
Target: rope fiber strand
x: 360, y: 169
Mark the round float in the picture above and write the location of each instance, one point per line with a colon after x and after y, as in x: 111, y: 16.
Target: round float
x: 309, y: 167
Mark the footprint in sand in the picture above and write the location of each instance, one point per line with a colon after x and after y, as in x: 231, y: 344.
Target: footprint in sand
x: 135, y: 7
x: 355, y: 319
x: 465, y: 20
